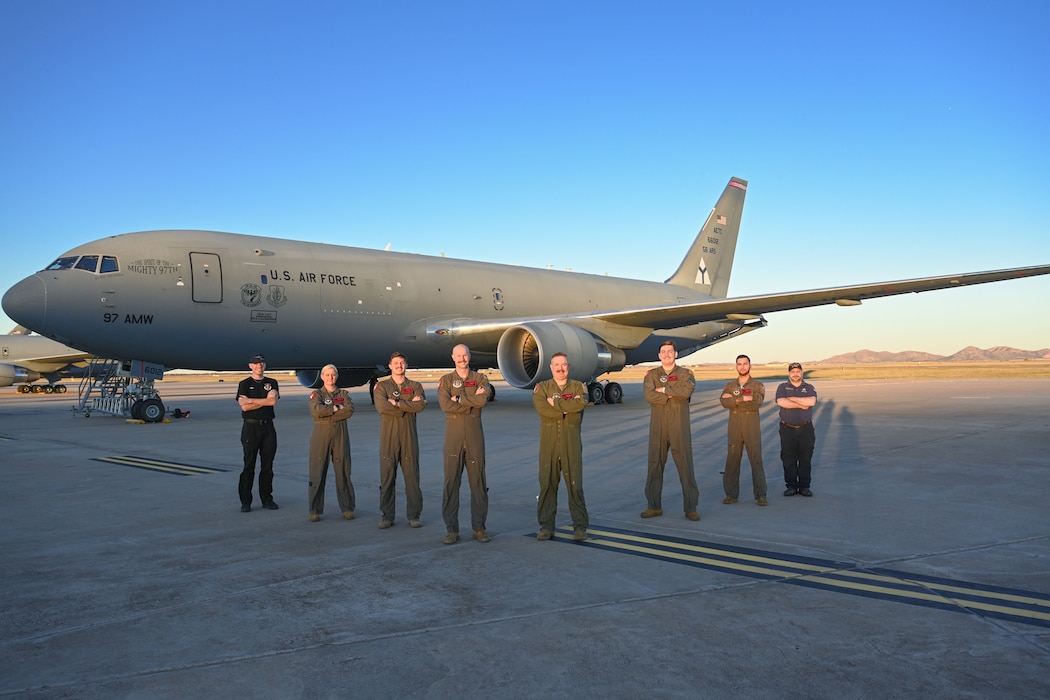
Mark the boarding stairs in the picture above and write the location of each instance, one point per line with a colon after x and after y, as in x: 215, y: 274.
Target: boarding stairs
x: 118, y: 388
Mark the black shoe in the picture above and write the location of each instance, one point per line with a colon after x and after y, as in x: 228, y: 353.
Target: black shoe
x: 246, y: 508
x: 790, y: 492
x: 805, y: 492
x: 270, y: 505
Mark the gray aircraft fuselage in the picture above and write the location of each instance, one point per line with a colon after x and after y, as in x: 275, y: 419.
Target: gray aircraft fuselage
x: 209, y: 300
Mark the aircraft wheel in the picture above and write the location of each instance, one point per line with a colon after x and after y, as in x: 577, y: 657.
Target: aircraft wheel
x: 24, y: 389
x: 372, y: 390
x: 61, y: 388
x: 49, y: 389
x: 492, y: 393
x: 36, y: 389
x: 595, y: 393
x: 613, y: 393
x: 152, y: 411
x: 136, y: 410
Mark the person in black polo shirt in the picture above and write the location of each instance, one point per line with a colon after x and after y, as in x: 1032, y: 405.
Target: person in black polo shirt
x: 796, y: 399
x: 257, y: 395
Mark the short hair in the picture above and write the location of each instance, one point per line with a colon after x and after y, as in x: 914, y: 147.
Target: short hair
x: 559, y: 354
x: 398, y: 354
x: 333, y: 367
x: 669, y: 342
x: 745, y: 357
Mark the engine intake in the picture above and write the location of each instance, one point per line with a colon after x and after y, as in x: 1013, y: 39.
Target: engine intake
x: 524, y: 353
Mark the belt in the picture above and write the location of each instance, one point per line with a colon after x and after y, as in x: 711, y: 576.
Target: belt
x: 258, y: 421
x: 801, y: 425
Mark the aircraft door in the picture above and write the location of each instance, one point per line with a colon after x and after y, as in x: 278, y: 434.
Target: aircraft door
x: 207, y: 277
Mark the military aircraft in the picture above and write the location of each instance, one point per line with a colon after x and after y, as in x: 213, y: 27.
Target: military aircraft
x: 26, y: 358
x: 209, y: 300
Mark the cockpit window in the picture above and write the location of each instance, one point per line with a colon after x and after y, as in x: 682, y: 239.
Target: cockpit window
x: 62, y: 263
x: 109, y: 264
x: 88, y: 262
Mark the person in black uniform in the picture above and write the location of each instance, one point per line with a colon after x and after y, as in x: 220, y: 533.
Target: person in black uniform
x: 796, y: 399
x: 257, y: 395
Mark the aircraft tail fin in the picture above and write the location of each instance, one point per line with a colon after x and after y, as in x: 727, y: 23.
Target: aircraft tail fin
x: 709, y: 262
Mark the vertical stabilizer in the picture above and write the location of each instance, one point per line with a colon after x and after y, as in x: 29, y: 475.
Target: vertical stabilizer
x: 709, y: 262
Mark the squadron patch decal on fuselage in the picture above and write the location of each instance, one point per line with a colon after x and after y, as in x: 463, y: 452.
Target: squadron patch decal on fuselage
x: 251, y: 295
x: 276, y: 298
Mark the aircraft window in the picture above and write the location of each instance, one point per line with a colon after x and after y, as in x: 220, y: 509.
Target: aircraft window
x: 109, y: 264
x: 62, y: 263
x: 88, y: 262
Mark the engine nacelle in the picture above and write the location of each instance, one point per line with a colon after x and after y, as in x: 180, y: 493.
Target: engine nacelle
x: 10, y: 375
x: 524, y: 353
x: 348, y: 377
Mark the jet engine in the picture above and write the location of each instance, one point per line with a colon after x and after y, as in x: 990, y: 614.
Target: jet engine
x: 348, y: 377
x: 10, y: 375
x: 524, y: 353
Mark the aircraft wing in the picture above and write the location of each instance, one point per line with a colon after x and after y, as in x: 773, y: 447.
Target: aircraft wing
x: 38, y: 353
x: 67, y: 359
x: 626, y: 328
x: 675, y: 316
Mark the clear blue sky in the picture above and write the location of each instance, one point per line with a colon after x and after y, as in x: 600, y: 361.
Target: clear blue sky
x: 881, y: 140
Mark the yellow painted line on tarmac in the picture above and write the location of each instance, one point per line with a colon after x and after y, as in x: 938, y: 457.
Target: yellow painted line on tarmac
x: 159, y: 465
x: 937, y: 598
x: 726, y: 560
x: 725, y: 555
x: 914, y: 589
x: 952, y: 588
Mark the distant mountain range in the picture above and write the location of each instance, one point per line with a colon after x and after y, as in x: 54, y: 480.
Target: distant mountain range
x: 968, y: 354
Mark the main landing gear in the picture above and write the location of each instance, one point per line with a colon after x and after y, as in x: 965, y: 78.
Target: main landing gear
x: 42, y: 389
x: 610, y: 392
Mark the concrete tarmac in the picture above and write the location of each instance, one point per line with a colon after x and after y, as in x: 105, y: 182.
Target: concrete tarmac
x: 920, y: 567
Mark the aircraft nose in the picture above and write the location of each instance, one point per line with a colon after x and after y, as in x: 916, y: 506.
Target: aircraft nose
x: 26, y: 303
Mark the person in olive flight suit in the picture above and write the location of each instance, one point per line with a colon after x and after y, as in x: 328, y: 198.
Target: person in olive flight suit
x: 462, y: 394
x: 257, y: 395
x: 743, y: 397
x: 398, y: 399
x: 330, y: 408
x: 560, y: 402
x: 668, y: 388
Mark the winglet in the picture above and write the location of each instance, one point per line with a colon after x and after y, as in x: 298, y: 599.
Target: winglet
x: 709, y: 262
